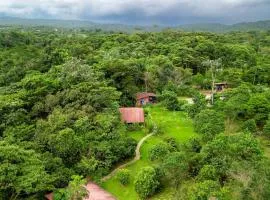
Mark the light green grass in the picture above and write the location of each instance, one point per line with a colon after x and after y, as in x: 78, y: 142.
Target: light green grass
x: 137, y: 135
x: 173, y: 124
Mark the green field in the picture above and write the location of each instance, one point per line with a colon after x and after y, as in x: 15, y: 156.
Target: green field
x: 172, y: 124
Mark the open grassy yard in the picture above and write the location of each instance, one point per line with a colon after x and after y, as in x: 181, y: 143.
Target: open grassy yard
x: 173, y: 124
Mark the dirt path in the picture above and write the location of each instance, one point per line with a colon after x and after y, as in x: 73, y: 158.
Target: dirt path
x: 137, y: 153
x: 136, y: 158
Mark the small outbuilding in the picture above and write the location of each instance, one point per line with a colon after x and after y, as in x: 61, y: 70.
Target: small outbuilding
x: 144, y: 98
x: 221, y: 86
x: 132, y: 115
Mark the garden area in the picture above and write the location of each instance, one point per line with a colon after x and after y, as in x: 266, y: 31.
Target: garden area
x: 171, y: 124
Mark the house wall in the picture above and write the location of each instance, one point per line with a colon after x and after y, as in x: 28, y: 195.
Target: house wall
x: 146, y: 100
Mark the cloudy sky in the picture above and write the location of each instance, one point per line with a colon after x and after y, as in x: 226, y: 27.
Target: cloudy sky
x: 166, y: 12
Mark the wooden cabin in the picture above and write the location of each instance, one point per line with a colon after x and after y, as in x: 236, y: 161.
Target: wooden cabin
x: 221, y: 86
x: 132, y: 115
x: 145, y: 98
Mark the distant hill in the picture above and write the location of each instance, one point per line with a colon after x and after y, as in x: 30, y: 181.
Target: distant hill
x: 215, y: 27
x: 73, y: 24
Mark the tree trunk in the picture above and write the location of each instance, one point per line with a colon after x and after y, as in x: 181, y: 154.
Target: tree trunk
x: 213, y: 85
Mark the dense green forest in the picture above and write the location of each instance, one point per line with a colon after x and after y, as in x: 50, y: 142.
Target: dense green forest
x: 59, y: 97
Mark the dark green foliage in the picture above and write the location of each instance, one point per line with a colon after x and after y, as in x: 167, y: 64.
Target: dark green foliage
x: 194, y: 145
x: 170, y: 100
x: 208, y: 172
x: 199, y: 103
x: 266, y: 129
x: 60, y: 93
x: 175, y: 166
x: 259, y: 108
x: 172, y: 143
x: 146, y: 182
x: 207, y: 190
x: 74, y: 190
x: 70, y: 115
x: 223, y: 150
x: 236, y: 102
x: 249, y: 126
x: 260, y: 183
x: 209, y: 123
x: 158, y: 152
x: 22, y: 172
x: 123, y: 176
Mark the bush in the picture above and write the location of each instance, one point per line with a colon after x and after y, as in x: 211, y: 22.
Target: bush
x: 249, y: 126
x: 170, y: 100
x: 182, y: 104
x: 158, y: 152
x: 208, y: 172
x: 207, y: 190
x: 146, y: 182
x: 159, y: 129
x: 149, y: 124
x: 266, y: 129
x: 87, y: 166
x: 185, y: 90
x: 123, y: 176
x: 209, y: 123
x: 134, y: 127
x: 194, y: 145
x: 172, y: 143
x: 198, y: 105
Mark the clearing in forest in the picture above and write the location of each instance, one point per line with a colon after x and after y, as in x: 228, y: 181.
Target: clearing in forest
x: 172, y: 124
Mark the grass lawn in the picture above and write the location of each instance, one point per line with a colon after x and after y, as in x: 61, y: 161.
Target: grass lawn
x: 173, y: 124
x: 137, y: 135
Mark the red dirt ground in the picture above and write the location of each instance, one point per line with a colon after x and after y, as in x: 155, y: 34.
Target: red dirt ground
x: 95, y: 193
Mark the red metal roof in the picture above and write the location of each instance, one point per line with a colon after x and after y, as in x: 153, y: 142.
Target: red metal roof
x: 144, y: 95
x: 49, y: 196
x: 132, y: 115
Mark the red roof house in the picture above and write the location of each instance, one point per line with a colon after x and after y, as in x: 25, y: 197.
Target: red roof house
x: 144, y: 98
x: 132, y: 115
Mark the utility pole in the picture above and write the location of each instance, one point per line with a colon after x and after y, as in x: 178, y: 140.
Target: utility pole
x: 213, y: 64
x: 213, y: 83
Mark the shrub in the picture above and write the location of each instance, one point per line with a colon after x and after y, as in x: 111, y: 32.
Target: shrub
x: 172, y: 143
x: 158, y: 151
x: 209, y: 123
x: 123, y: 176
x: 176, y: 168
x: 170, y: 100
x: 207, y: 190
x: 159, y: 129
x: 146, y: 182
x: 249, y: 126
x: 194, y: 145
x: 182, y: 104
x: 198, y: 105
x: 134, y: 127
x: 87, y: 166
x: 185, y: 90
x: 149, y: 124
x: 208, y: 172
x: 266, y: 129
